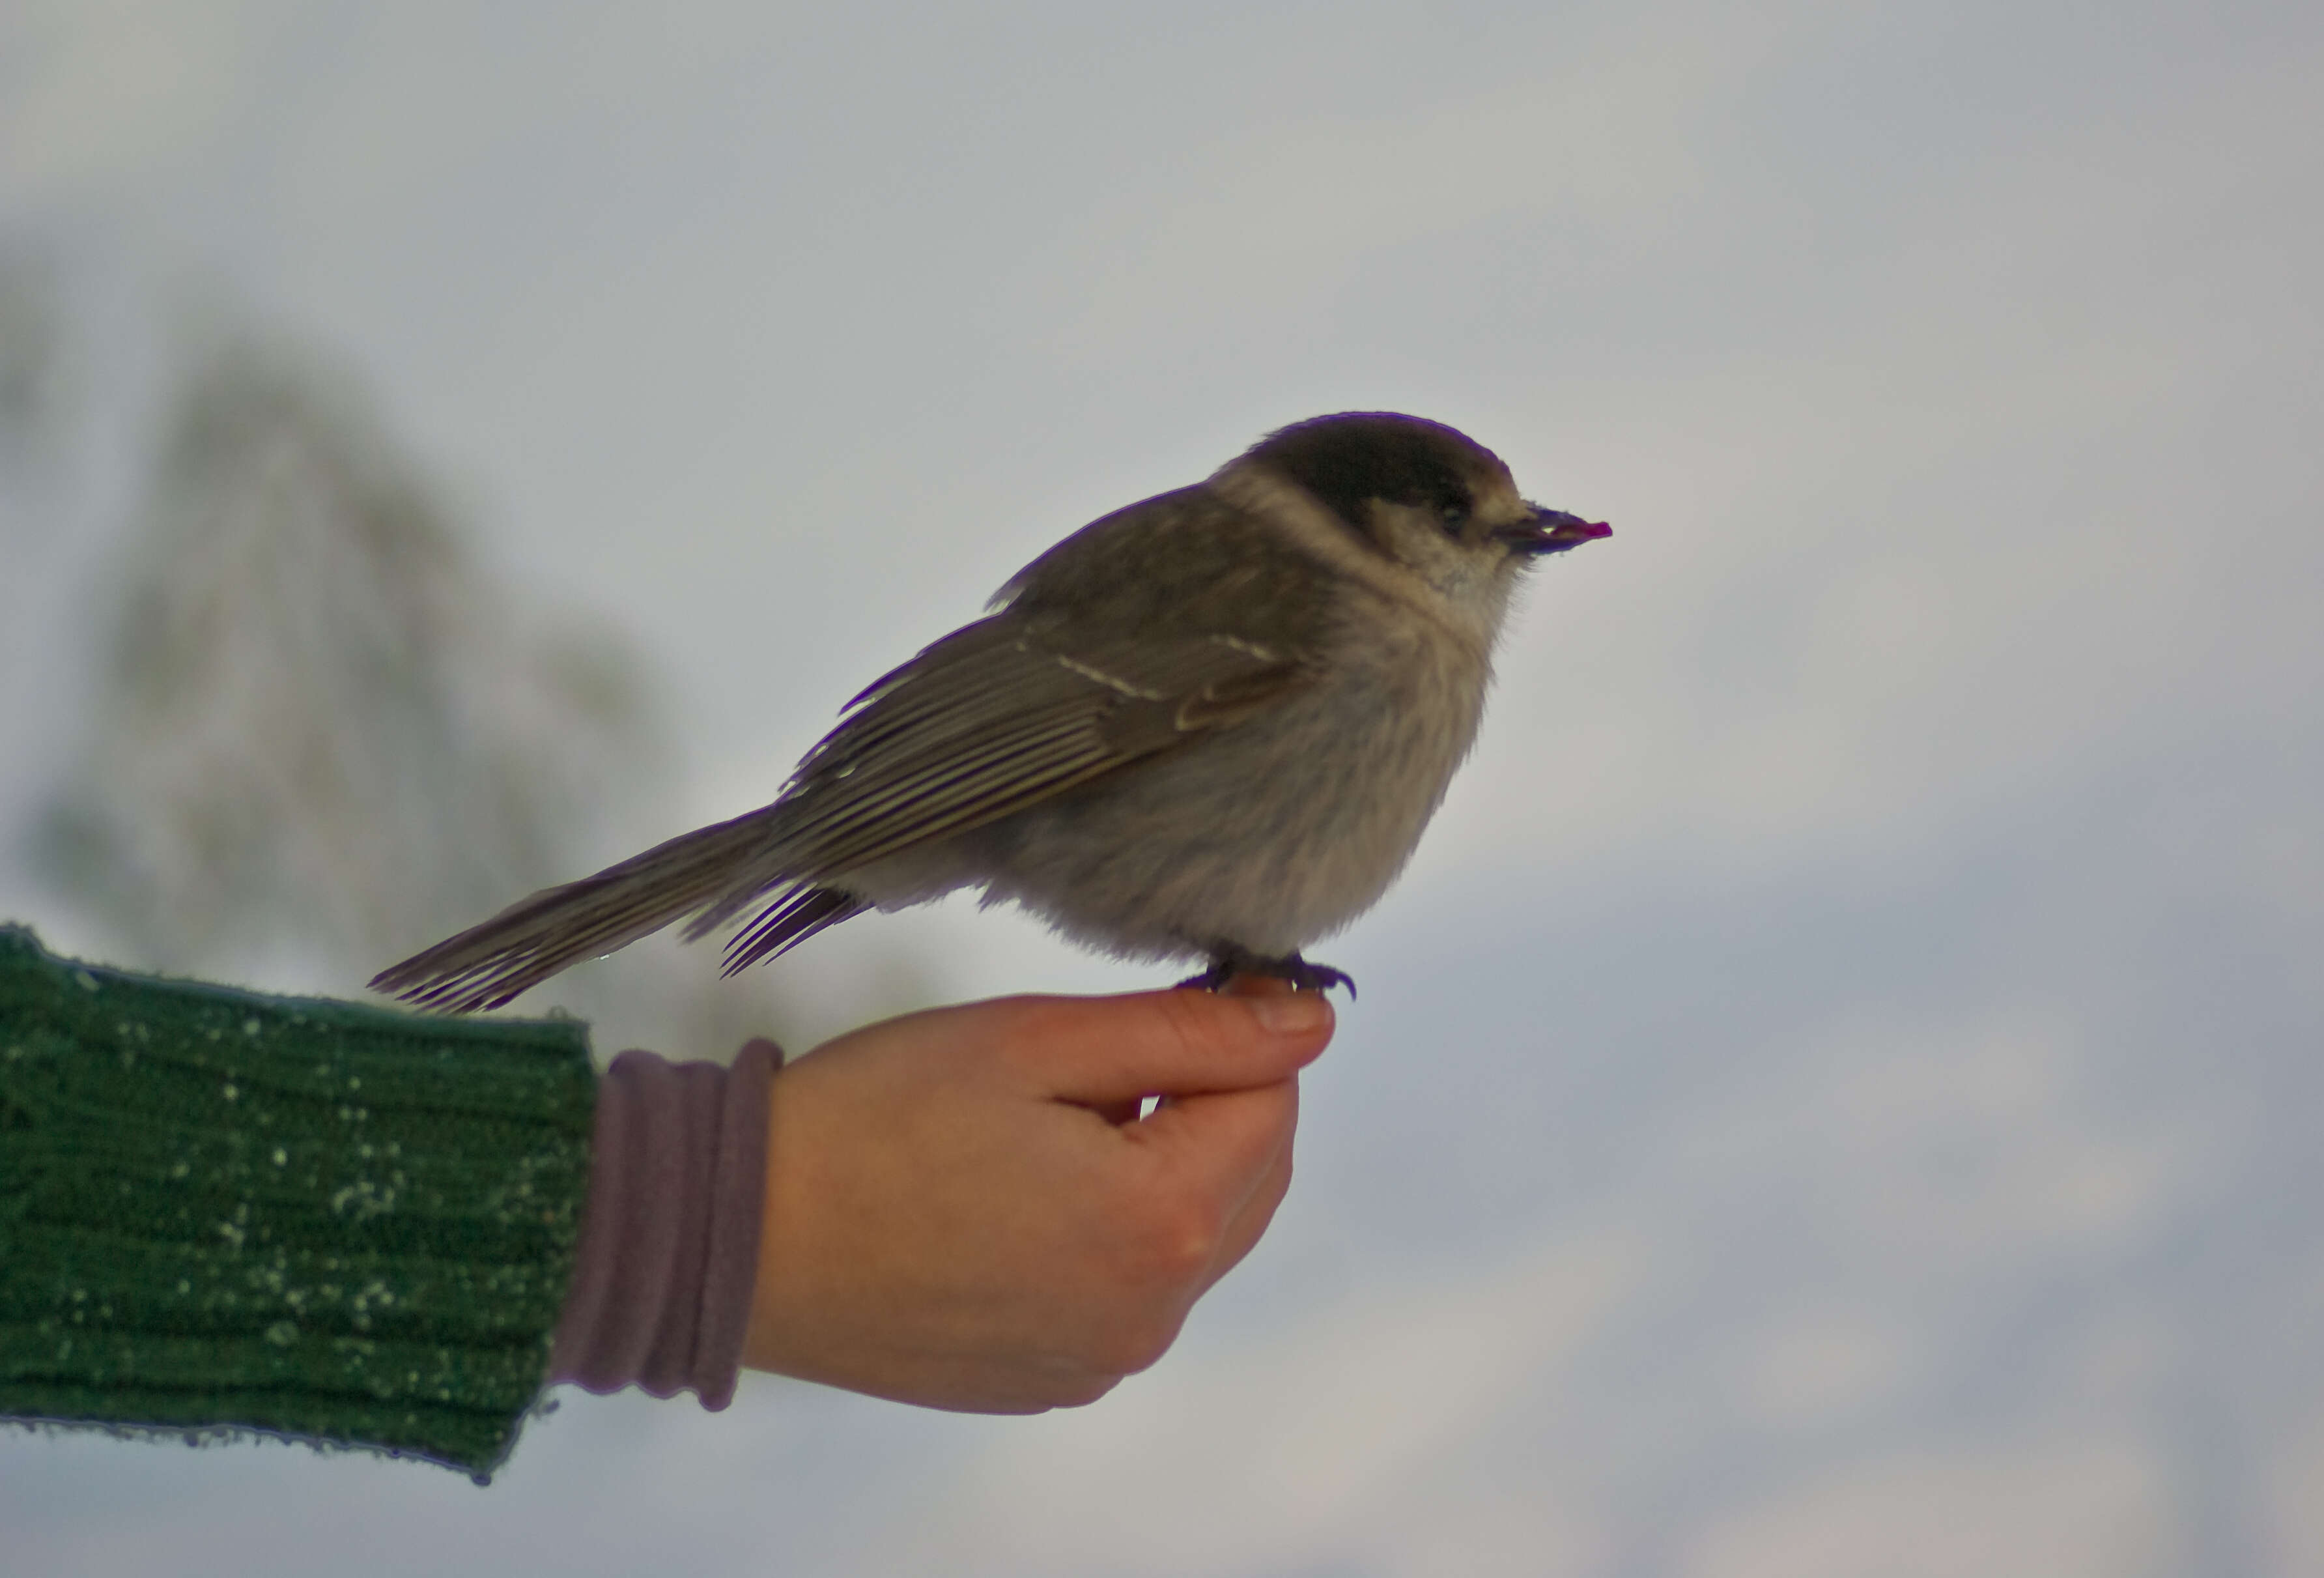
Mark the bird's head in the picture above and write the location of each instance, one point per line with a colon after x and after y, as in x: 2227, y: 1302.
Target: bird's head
x: 1424, y: 495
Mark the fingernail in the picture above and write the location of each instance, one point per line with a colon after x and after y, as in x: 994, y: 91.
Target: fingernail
x: 1294, y: 1013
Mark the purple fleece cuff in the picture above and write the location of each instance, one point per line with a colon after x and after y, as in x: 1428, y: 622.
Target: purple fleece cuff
x: 669, y: 1239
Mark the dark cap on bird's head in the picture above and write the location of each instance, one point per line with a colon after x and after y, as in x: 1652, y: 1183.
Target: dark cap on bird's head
x: 1355, y: 456
x: 1355, y: 460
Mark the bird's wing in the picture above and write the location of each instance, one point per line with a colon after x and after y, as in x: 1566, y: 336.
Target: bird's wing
x: 990, y: 720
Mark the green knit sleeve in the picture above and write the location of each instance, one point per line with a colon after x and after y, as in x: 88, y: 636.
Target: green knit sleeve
x: 321, y: 1219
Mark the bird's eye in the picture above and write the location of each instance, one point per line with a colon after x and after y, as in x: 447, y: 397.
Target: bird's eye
x: 1455, y: 516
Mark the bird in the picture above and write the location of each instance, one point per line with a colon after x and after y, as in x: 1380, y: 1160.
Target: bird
x: 1210, y: 726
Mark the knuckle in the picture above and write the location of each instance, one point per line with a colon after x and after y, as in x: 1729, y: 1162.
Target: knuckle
x: 1139, y: 1344
x: 1178, y: 1241
x: 1082, y: 1393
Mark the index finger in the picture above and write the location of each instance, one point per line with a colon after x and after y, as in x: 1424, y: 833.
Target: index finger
x: 1175, y: 1043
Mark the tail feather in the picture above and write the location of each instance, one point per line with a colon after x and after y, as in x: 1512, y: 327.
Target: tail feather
x: 489, y: 964
x: 789, y: 922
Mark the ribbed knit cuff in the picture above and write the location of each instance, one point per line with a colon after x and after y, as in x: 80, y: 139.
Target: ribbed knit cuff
x: 222, y: 1210
x: 660, y: 1297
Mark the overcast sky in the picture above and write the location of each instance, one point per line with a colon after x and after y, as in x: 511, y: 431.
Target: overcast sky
x: 1837, y: 1090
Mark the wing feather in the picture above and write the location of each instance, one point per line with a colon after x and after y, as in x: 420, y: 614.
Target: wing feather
x: 977, y: 728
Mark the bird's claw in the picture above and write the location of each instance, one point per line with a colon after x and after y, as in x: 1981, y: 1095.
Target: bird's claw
x: 1301, y: 975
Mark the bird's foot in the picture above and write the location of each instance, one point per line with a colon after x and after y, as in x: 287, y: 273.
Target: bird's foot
x: 1227, y: 963
x: 1306, y: 977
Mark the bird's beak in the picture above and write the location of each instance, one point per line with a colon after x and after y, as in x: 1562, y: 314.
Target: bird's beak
x: 1552, y: 532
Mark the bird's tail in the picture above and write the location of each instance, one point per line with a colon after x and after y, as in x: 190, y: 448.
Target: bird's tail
x: 487, y: 965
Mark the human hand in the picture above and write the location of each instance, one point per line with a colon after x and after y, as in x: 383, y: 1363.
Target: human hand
x: 964, y: 1211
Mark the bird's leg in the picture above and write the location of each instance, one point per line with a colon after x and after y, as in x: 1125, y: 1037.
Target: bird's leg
x: 1229, y: 961
x: 1221, y: 972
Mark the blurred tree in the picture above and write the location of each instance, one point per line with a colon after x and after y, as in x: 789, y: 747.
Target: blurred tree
x: 32, y: 367
x: 320, y: 729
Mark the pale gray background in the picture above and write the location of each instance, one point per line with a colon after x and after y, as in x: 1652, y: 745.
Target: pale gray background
x: 1837, y: 1092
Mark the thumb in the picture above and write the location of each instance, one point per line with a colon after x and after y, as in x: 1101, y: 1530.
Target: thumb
x: 1091, y: 1049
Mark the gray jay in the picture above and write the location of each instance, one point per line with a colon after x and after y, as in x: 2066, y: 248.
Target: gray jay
x: 1210, y: 725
